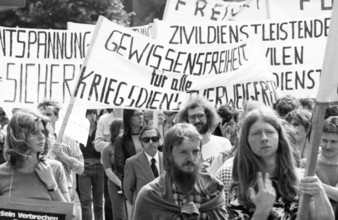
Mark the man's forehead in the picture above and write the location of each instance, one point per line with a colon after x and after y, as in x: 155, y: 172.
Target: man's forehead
x: 331, y: 135
x: 188, y: 143
x: 149, y: 133
x: 47, y: 108
x: 196, y: 109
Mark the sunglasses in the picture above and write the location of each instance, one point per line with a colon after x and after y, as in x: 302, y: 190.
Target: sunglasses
x: 147, y: 139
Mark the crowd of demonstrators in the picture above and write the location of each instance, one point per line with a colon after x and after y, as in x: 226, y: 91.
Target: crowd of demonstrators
x: 182, y: 192
x: 220, y: 163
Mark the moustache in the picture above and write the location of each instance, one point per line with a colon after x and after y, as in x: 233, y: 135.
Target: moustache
x: 198, y: 123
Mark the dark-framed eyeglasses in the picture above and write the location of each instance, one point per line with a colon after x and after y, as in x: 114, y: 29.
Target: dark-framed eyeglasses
x: 199, y: 116
x: 154, y: 139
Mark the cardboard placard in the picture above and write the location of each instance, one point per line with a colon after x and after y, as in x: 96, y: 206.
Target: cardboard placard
x: 13, y: 208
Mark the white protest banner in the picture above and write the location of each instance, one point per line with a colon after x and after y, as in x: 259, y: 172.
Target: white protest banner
x: 202, y: 10
x: 37, y: 64
x: 113, y: 77
x: 145, y: 30
x: 287, y: 9
x: 293, y: 48
x: 193, y: 61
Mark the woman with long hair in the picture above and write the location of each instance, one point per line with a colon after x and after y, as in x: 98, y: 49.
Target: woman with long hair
x: 27, y: 173
x: 128, y: 144
x: 265, y: 182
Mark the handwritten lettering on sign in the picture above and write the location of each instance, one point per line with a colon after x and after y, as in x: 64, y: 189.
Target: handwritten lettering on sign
x: 39, y: 64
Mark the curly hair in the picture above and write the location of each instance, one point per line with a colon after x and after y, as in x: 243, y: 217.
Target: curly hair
x: 20, y: 126
x: 195, y: 101
x: 285, y: 105
x: 331, y: 125
x: 247, y: 164
x: 46, y: 103
x: 331, y: 110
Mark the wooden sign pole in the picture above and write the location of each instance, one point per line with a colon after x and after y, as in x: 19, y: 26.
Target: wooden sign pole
x: 73, y: 98
x: 315, y: 136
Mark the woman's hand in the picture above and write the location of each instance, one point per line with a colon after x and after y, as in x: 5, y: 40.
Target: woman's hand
x: 311, y: 185
x: 265, y: 197
x: 44, y: 171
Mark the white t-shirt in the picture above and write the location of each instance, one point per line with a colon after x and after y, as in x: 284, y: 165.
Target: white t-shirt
x: 213, y: 149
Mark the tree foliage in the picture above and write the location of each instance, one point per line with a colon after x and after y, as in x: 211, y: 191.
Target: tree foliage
x: 56, y: 13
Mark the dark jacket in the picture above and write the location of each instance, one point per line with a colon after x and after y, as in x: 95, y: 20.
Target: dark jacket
x: 124, y: 148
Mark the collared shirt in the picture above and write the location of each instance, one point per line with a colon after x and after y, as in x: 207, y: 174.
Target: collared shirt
x: 224, y: 174
x: 197, y: 197
x: 102, y: 136
x: 156, y: 158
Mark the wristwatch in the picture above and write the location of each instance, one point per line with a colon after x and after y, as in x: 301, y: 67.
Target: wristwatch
x: 54, y: 189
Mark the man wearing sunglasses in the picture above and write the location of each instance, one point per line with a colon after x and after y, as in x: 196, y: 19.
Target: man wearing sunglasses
x: 200, y: 113
x: 143, y: 167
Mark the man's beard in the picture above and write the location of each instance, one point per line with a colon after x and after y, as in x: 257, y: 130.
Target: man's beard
x: 185, y: 180
x: 203, y: 129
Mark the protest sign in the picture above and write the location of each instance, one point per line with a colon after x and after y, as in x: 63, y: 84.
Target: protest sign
x: 328, y: 88
x: 12, y: 208
x: 217, y: 10
x: 39, y: 64
x: 293, y: 48
x: 202, y: 10
x: 127, y: 70
x: 286, y: 9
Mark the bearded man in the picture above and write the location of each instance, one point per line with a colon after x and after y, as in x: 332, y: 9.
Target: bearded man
x: 182, y: 192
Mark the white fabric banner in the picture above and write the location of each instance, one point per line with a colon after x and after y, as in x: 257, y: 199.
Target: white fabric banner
x: 127, y: 70
x: 294, y: 49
